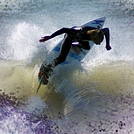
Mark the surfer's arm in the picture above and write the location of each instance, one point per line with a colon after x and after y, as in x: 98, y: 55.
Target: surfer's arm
x: 107, y: 36
x: 59, y: 32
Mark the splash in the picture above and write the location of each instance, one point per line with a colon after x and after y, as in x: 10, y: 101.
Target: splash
x: 14, y: 119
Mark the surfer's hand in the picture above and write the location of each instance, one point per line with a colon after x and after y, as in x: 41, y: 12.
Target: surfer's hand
x: 108, y: 47
x: 43, y: 39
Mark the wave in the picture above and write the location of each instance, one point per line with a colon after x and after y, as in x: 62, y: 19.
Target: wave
x: 93, y: 99
x: 75, y: 85
x: 16, y: 6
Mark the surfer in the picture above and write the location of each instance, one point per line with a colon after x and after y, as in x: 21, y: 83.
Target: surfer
x: 74, y: 37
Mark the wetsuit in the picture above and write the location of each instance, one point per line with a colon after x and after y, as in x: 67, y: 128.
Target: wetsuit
x: 75, y: 34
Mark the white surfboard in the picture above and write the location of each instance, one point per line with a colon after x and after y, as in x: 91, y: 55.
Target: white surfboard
x: 72, y: 55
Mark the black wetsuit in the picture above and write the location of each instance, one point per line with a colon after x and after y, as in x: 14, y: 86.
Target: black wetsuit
x: 75, y: 34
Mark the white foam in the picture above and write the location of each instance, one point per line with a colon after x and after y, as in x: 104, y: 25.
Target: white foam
x: 35, y: 105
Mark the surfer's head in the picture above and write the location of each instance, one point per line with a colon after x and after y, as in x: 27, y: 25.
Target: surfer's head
x: 96, y: 35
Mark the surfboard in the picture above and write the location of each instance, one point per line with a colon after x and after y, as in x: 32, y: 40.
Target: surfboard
x: 73, y: 55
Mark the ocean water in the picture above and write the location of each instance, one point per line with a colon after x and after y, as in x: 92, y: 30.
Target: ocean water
x: 96, y: 97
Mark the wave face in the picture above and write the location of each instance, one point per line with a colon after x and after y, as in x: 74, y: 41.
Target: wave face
x: 95, y: 96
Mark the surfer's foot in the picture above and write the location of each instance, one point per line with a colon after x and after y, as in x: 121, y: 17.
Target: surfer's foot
x: 44, y: 74
x: 43, y: 77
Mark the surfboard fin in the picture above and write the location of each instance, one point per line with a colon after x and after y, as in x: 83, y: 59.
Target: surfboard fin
x: 40, y: 83
x: 38, y: 87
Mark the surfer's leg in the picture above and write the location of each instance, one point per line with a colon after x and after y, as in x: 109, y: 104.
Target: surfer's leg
x: 66, y: 45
